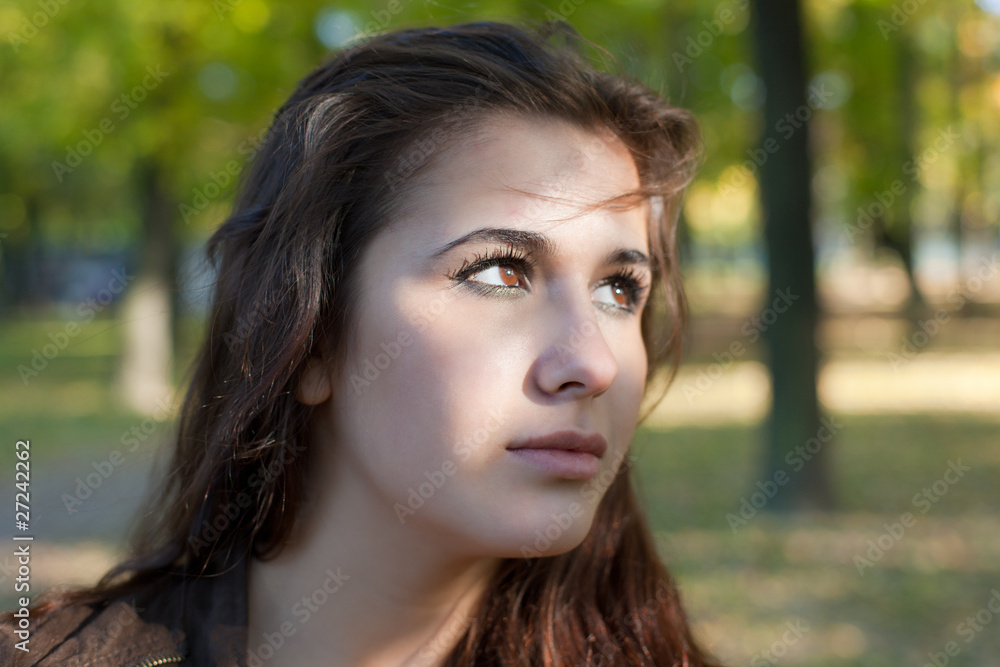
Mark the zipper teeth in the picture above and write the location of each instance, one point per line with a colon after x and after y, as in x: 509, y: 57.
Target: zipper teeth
x: 151, y: 662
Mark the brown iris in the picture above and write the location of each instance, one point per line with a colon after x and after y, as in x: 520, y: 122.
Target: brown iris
x: 508, y: 275
x: 621, y: 296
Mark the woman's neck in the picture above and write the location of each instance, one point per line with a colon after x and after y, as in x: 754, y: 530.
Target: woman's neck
x: 355, y: 587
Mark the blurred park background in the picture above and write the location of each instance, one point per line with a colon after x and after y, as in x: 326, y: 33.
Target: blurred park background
x: 823, y: 474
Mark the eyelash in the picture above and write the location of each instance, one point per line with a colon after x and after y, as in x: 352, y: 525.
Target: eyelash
x: 635, y: 287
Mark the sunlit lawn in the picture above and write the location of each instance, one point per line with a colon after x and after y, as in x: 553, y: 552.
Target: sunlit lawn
x: 71, y: 403
x: 742, y: 587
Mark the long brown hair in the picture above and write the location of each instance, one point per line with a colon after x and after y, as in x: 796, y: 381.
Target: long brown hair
x: 339, y: 159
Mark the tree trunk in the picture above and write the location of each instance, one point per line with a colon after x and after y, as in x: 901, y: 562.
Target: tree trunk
x: 957, y: 81
x: 21, y: 256
x: 901, y: 235
x: 146, y: 372
x: 793, y: 431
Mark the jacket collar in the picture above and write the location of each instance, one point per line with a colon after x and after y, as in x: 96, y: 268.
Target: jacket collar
x: 198, y: 619
x: 213, y: 615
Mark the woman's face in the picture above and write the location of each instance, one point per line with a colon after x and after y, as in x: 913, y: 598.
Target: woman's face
x: 457, y: 361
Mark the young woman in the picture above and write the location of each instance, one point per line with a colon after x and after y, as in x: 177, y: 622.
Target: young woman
x: 447, y: 286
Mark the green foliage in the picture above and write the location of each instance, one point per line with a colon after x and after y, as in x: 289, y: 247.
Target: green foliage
x: 228, y: 64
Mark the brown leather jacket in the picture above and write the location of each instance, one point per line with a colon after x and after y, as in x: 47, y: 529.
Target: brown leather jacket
x: 189, y: 621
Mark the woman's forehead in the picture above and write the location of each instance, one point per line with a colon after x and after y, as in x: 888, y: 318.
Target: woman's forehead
x: 528, y: 169
x: 542, y: 153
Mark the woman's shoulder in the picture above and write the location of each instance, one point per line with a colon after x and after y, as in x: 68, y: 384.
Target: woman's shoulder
x: 112, y: 634
x: 171, y: 618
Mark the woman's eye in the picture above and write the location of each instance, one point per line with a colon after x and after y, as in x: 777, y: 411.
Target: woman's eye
x: 615, y: 294
x: 502, y: 275
x: 618, y: 293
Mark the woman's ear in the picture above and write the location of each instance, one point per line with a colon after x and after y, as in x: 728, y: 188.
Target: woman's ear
x: 315, y: 385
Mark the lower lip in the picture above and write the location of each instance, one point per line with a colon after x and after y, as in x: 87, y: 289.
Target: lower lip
x: 560, y: 462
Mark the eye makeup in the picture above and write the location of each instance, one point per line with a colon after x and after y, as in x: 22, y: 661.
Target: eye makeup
x: 626, y: 280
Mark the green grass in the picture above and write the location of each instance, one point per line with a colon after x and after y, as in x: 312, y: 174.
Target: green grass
x: 743, y: 586
x: 68, y: 402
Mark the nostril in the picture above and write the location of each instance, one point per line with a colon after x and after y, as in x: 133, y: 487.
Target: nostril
x: 567, y: 385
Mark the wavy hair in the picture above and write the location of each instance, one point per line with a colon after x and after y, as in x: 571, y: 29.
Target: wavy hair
x: 339, y: 160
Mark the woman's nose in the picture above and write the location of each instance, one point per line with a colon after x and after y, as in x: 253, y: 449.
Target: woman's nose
x: 576, y: 361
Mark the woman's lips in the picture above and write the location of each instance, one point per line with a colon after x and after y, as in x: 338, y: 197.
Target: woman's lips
x: 560, y: 462
x: 568, y: 453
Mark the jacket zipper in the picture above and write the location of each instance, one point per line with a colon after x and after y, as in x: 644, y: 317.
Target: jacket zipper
x: 152, y: 662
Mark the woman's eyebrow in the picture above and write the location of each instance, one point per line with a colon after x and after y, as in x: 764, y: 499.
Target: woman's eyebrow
x: 536, y: 243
